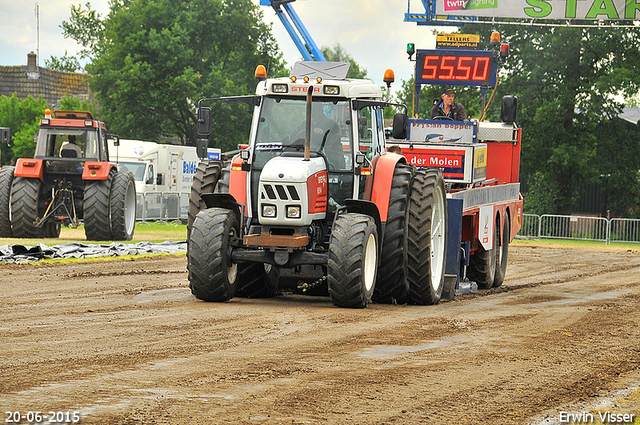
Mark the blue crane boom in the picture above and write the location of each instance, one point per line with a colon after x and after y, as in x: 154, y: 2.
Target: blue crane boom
x: 296, y: 29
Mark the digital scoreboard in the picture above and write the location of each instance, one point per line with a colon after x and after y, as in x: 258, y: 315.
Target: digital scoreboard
x: 456, y: 67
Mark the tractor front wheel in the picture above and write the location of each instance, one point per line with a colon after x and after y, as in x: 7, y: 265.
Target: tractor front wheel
x: 353, y: 260
x: 212, y: 274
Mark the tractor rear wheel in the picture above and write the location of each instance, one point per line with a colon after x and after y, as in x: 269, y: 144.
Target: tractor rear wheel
x: 502, y: 253
x: 123, y: 206
x: 257, y: 280
x: 25, y: 195
x: 353, y: 260
x: 482, y: 264
x: 96, y: 213
x: 391, y: 285
x: 6, y: 180
x: 204, y: 181
x: 212, y: 275
x: 427, y: 237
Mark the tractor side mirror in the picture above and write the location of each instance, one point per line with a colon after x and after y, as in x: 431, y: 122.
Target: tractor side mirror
x: 160, y: 179
x: 509, y: 109
x: 400, y: 126
x: 204, y: 121
x: 201, y: 148
x: 5, y: 135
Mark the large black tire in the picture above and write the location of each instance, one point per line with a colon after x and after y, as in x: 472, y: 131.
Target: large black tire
x: 52, y: 229
x: 427, y: 237
x: 353, y: 260
x: 482, y: 264
x: 25, y: 193
x: 6, y: 180
x: 212, y: 275
x: 95, y: 206
x: 392, y: 285
x: 502, y: 253
x: 204, y: 181
x: 257, y: 280
x: 122, y: 203
x: 225, y: 175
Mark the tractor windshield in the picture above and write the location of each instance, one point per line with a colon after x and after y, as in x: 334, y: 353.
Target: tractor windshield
x: 281, y: 128
x: 67, y: 143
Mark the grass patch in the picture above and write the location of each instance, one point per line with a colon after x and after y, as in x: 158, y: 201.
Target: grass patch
x: 578, y: 244
x: 148, y: 232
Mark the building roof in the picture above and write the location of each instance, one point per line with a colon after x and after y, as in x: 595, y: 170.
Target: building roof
x: 52, y: 85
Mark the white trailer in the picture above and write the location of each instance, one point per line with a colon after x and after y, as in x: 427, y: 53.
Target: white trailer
x: 163, y: 176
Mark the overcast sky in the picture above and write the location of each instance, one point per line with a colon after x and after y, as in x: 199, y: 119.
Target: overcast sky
x: 371, y: 31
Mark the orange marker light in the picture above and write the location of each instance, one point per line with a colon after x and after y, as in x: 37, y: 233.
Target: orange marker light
x: 389, y: 77
x: 495, y: 37
x: 261, y: 72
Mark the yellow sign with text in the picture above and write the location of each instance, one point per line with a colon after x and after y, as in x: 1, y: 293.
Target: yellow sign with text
x: 457, y: 41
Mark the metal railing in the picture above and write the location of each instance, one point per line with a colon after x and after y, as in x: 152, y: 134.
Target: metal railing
x: 580, y: 227
x: 163, y: 206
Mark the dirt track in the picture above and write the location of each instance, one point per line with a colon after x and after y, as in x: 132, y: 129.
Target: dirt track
x: 124, y: 342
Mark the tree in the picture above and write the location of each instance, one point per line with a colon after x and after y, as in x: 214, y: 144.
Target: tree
x: 567, y: 80
x: 154, y: 59
x: 338, y: 54
x: 67, y: 63
x: 22, y: 117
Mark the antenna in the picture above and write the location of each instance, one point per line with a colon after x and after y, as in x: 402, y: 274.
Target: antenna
x: 37, y: 34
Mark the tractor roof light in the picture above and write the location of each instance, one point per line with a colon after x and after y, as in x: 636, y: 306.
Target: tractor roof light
x: 389, y: 77
x: 331, y: 90
x: 280, y: 88
x: 88, y: 123
x: 305, y: 79
x: 495, y: 38
x: 261, y: 73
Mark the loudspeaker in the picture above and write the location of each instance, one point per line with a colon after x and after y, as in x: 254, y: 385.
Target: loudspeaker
x: 509, y: 110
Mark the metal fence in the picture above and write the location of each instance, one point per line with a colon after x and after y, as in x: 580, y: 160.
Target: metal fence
x: 580, y: 227
x: 162, y: 206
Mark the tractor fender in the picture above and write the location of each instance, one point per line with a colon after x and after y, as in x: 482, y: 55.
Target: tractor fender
x: 226, y: 201
x: 238, y: 181
x: 95, y: 170
x: 368, y: 208
x: 379, y: 191
x: 31, y: 168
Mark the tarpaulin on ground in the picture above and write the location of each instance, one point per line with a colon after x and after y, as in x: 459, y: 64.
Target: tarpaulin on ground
x: 23, y: 254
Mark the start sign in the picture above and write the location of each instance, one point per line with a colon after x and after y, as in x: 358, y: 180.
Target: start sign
x: 543, y: 9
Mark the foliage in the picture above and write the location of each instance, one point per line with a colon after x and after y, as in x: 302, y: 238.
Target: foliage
x: 67, y: 63
x: 339, y: 54
x: 22, y: 117
x: 154, y: 59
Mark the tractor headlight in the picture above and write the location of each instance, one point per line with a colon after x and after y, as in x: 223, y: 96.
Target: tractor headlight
x: 293, y: 211
x: 269, y: 211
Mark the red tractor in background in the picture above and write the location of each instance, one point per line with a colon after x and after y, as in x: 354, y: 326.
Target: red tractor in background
x: 316, y: 190
x: 70, y: 179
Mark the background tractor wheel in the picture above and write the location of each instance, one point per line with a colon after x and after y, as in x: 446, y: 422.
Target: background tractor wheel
x: 502, y: 253
x: 392, y: 283
x: 96, y: 204
x: 52, y: 229
x: 212, y: 275
x: 6, y: 180
x: 257, y: 280
x: 353, y: 260
x: 25, y: 194
x: 427, y: 237
x: 482, y: 264
x: 122, y: 202
x: 204, y: 181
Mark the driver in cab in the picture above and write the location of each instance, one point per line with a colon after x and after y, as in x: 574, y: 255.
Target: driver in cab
x: 448, y: 107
